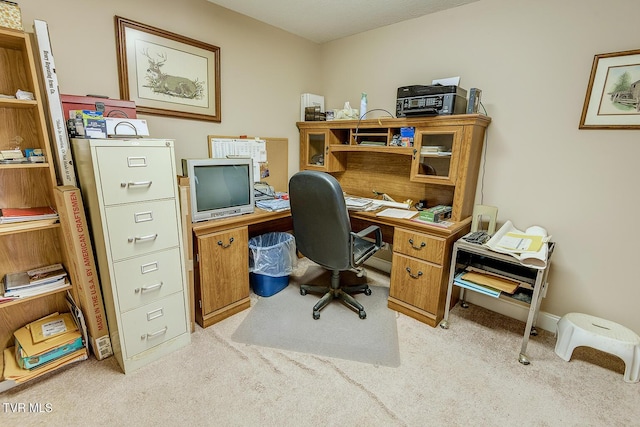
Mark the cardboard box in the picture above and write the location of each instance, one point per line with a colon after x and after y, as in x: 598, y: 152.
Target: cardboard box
x: 436, y: 213
x: 109, y: 107
x: 10, y: 15
x: 82, y: 268
x: 57, y: 124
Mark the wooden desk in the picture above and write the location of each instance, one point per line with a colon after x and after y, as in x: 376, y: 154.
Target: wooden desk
x: 219, y: 251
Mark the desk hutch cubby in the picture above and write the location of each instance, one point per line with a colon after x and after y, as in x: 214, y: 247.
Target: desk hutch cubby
x: 26, y: 245
x: 440, y: 166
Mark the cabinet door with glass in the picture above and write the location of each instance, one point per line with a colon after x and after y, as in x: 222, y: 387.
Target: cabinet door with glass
x: 436, y: 155
x: 315, y: 151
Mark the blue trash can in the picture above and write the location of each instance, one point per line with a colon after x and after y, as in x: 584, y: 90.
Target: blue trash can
x: 272, y: 258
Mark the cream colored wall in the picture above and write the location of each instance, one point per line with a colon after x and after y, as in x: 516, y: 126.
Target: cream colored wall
x: 532, y: 60
x: 263, y: 70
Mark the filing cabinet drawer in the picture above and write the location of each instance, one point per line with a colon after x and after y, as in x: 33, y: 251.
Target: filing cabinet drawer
x: 147, y: 278
x: 419, y: 245
x: 141, y: 228
x: 416, y: 282
x: 153, y: 324
x: 135, y: 174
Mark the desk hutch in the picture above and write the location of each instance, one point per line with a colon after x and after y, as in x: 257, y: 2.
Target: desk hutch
x: 442, y: 167
x: 422, y: 252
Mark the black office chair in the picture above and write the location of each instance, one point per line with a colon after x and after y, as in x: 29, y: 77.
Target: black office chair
x: 323, y: 234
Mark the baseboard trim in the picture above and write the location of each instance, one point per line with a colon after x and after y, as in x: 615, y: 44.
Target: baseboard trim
x: 546, y: 321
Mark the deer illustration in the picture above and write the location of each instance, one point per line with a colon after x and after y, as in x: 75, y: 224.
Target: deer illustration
x: 167, y: 84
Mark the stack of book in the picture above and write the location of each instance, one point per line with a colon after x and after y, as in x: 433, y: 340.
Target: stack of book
x: 34, y: 282
x: 10, y: 215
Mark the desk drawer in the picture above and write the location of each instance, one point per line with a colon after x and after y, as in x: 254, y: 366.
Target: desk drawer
x: 416, y: 282
x: 419, y: 245
x: 153, y: 324
x: 141, y: 228
x: 135, y: 174
x: 147, y: 278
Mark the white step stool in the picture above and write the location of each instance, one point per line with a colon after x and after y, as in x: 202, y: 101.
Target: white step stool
x: 577, y: 329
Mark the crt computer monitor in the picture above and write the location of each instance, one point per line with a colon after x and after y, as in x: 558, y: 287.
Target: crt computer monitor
x: 219, y: 187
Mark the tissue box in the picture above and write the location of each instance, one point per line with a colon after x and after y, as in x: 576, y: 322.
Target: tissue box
x: 10, y: 15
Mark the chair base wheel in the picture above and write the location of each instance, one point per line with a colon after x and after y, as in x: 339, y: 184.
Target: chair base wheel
x: 362, y: 314
x: 316, y: 315
x: 303, y: 292
x: 367, y: 291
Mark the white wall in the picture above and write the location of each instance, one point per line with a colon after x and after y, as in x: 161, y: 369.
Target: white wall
x: 263, y: 69
x: 532, y: 59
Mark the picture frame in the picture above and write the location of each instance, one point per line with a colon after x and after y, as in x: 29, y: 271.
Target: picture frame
x: 167, y: 74
x: 613, y: 94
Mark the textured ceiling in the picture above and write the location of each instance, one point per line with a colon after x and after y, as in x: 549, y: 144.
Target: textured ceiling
x: 324, y: 20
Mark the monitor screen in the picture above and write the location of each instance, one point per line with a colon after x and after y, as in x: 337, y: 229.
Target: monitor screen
x: 219, y: 187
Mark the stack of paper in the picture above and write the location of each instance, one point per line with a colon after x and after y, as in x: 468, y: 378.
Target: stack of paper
x: 529, y: 246
x: 8, y: 215
x: 34, y: 282
x: 273, y: 205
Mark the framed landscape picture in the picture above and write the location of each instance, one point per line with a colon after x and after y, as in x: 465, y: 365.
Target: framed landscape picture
x: 613, y: 94
x: 167, y: 74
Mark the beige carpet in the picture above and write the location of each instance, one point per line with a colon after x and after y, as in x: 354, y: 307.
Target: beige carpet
x: 285, y: 321
x: 467, y: 375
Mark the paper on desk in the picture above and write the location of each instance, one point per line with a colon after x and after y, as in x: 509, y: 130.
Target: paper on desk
x: 510, y: 240
x: 397, y: 213
x: 449, y: 81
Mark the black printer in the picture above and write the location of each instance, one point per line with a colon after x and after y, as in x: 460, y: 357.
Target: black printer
x: 430, y: 100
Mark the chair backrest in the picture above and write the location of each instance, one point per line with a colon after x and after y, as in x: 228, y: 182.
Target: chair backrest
x: 320, y: 219
x: 481, y: 211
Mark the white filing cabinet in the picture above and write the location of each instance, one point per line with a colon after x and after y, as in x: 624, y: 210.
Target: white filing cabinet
x: 130, y: 189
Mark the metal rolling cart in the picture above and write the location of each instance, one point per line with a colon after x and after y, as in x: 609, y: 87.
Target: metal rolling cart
x: 473, y: 255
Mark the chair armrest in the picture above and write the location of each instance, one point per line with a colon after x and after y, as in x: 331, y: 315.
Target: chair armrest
x: 371, y: 230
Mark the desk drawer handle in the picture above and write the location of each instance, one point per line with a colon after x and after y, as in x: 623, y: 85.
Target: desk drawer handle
x: 155, y: 334
x: 149, y: 288
x: 143, y: 238
x: 422, y: 245
x: 225, y: 246
x: 413, y: 276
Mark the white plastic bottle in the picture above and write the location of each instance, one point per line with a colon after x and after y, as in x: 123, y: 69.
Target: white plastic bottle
x: 363, y: 104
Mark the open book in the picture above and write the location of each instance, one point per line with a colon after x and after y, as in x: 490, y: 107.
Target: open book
x: 529, y: 246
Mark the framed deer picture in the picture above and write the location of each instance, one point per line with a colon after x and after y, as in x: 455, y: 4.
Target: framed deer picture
x: 167, y: 74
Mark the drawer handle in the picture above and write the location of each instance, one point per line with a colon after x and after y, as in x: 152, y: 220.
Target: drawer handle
x: 422, y: 245
x: 225, y: 246
x: 414, y: 276
x: 149, y: 288
x: 155, y: 334
x: 143, y: 238
x: 135, y: 184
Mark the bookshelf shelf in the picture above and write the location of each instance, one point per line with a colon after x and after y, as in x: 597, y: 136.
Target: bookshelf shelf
x: 29, y: 299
